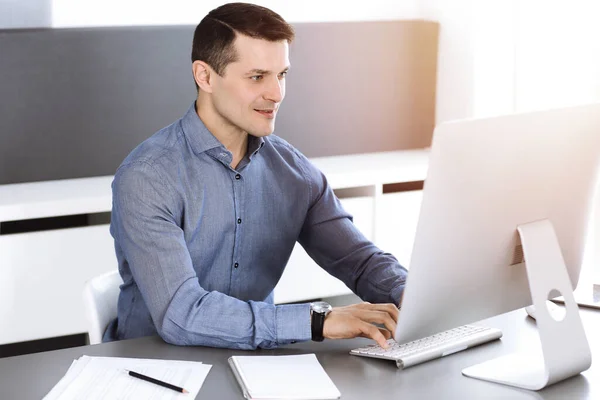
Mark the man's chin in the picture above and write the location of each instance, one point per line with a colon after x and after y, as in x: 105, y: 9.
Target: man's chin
x: 261, y: 132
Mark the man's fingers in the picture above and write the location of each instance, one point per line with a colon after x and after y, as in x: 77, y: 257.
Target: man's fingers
x: 386, y: 334
x: 378, y: 317
x: 374, y: 333
x: 389, y: 308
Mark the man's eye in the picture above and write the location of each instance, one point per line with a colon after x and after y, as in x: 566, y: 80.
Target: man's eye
x: 256, y: 77
x: 282, y: 75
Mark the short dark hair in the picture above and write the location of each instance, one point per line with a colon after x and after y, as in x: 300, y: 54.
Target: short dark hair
x: 215, y: 34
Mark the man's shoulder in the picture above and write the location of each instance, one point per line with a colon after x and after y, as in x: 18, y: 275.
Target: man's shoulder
x: 283, y: 147
x: 150, y: 162
x: 292, y: 157
x: 158, y: 148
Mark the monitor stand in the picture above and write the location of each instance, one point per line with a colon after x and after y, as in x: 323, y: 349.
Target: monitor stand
x: 565, y: 351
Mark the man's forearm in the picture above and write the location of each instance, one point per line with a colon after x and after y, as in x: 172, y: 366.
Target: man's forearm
x: 218, y: 320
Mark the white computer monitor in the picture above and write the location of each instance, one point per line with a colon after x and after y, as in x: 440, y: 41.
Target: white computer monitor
x: 486, y: 178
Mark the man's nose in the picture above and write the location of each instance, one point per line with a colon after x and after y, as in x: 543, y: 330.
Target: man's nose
x: 275, y: 90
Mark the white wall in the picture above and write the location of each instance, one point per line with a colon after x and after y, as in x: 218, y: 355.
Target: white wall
x: 25, y: 14
x: 503, y: 56
x: 500, y: 56
x: 476, y: 64
x: 77, y: 13
x: 558, y: 53
x: 455, y: 59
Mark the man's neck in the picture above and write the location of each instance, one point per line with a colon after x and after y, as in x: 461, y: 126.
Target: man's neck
x: 234, y: 139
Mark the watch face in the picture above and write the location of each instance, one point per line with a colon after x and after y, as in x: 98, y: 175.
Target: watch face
x: 320, y: 307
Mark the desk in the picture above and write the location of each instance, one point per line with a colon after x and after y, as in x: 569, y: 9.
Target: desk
x: 32, y: 376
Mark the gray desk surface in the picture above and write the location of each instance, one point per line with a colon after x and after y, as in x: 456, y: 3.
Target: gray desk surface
x: 32, y: 376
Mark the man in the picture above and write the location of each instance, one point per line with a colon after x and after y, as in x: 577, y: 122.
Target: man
x: 207, y: 211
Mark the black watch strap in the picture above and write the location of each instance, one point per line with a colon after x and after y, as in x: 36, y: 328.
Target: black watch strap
x: 317, y: 322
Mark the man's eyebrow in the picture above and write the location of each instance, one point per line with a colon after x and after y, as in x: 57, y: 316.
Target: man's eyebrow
x: 257, y: 71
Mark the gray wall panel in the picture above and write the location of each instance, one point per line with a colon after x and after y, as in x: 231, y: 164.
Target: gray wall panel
x: 74, y: 102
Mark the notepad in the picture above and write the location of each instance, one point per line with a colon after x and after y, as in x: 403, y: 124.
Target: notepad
x: 95, y: 378
x: 283, y: 377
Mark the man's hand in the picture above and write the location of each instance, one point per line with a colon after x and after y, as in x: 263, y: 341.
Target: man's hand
x: 357, y: 320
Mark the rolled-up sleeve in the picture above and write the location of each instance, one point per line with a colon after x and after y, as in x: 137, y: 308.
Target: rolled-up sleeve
x: 147, y: 212
x: 330, y: 237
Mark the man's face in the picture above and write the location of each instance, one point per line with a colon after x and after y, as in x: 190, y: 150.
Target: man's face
x: 252, y: 88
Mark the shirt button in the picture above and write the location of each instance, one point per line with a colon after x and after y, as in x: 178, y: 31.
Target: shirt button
x: 239, y: 220
x: 236, y: 265
x: 237, y: 176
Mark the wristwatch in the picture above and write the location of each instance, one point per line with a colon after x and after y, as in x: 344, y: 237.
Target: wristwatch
x: 318, y: 312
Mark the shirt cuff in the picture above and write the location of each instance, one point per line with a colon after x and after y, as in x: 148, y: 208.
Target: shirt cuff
x: 293, y: 323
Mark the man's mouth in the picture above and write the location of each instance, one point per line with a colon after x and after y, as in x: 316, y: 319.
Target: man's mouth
x: 269, y: 113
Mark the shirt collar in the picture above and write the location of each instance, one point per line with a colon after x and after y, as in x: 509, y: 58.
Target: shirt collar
x: 198, y: 136
x: 254, y: 145
x: 201, y: 139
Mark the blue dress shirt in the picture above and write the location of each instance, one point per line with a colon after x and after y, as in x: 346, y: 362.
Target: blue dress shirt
x: 201, y: 245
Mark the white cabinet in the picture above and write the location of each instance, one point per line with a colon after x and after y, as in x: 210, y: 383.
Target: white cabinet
x: 42, y: 273
x: 398, y: 214
x: 41, y: 280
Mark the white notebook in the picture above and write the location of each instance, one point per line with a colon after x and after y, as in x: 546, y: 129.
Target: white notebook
x: 283, y: 377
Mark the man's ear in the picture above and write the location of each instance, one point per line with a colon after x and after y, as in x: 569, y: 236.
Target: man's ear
x: 202, y: 75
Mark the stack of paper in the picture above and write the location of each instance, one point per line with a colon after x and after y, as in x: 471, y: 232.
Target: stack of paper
x: 283, y: 377
x: 107, y: 378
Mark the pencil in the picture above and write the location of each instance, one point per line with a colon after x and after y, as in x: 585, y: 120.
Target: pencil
x: 156, y: 382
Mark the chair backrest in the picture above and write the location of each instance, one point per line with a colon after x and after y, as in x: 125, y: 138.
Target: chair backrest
x: 100, y: 296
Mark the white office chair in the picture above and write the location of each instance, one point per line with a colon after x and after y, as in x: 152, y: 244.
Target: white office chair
x: 100, y: 296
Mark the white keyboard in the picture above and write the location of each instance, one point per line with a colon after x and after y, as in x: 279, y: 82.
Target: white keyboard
x: 431, y: 347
